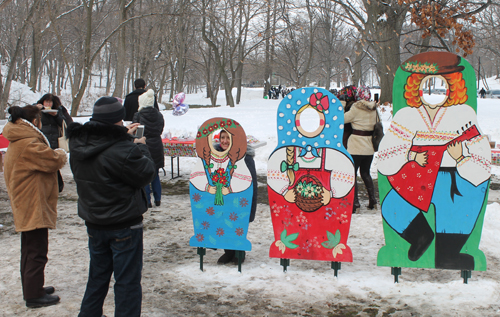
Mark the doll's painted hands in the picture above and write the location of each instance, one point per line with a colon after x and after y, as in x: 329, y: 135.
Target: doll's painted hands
x: 225, y: 190
x: 326, y: 197
x: 455, y: 150
x: 421, y: 158
x: 290, y: 196
x: 211, y: 189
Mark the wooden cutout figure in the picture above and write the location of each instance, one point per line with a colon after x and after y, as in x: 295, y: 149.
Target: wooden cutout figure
x: 220, y: 188
x: 310, y: 180
x: 434, y: 168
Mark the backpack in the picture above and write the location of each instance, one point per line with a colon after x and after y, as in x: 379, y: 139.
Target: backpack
x: 378, y: 133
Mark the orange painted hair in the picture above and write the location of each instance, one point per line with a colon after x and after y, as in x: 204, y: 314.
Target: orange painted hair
x: 457, y: 90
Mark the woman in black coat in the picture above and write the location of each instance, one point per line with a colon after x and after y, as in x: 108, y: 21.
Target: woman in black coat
x: 153, y: 123
x: 53, y: 115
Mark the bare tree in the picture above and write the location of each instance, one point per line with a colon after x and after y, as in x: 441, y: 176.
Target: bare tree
x: 15, y: 54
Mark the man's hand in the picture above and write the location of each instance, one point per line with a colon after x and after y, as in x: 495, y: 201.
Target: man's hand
x: 132, y: 127
x: 140, y: 140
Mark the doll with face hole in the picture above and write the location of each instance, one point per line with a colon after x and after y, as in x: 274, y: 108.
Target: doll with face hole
x: 220, y: 187
x: 310, y: 180
x: 434, y: 154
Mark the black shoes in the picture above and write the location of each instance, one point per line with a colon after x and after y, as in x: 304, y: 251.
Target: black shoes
x: 226, y: 257
x: 230, y: 256
x: 157, y: 203
x: 45, y: 300
x: 49, y: 290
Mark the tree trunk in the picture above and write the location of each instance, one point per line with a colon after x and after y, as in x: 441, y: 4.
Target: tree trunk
x: 121, y: 53
x: 13, y: 60
x: 386, y: 36
x: 356, y: 77
x: 36, y: 53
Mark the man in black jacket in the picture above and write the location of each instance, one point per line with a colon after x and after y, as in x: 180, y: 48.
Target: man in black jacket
x: 131, y: 102
x: 110, y: 169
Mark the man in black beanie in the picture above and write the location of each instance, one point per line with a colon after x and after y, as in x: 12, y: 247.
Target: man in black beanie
x: 111, y: 168
x: 131, y: 102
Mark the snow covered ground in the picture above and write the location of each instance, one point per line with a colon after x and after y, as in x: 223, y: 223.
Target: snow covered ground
x: 173, y: 284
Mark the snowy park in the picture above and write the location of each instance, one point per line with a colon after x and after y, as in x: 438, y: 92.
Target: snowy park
x: 174, y: 285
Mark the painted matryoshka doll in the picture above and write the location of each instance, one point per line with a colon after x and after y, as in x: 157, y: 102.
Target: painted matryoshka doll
x: 220, y: 188
x: 311, y: 179
x: 434, y: 168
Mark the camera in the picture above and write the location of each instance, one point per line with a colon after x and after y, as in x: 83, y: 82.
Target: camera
x: 140, y: 131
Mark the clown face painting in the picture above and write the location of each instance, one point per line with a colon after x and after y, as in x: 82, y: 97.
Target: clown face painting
x: 220, y: 188
x: 310, y: 179
x: 434, y: 168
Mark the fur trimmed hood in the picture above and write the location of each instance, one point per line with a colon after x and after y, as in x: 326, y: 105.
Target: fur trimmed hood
x: 365, y: 105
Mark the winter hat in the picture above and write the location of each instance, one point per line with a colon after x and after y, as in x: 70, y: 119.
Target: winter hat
x: 108, y: 110
x: 363, y: 93
x: 347, y: 93
x: 147, y: 99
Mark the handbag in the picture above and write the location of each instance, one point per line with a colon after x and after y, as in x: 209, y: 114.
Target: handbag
x: 378, y: 133
x: 62, y: 141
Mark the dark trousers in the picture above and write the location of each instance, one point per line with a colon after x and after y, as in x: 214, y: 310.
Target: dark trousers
x: 156, y: 185
x: 119, y: 252
x: 34, y: 249
x: 363, y: 163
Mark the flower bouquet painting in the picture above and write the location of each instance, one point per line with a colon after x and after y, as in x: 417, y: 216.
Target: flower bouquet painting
x: 220, y: 188
x: 220, y: 179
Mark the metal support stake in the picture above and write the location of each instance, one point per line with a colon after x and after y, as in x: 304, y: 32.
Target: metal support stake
x: 240, y: 255
x: 285, y: 263
x: 201, y: 252
x: 336, y: 267
x: 396, y: 271
x: 466, y: 274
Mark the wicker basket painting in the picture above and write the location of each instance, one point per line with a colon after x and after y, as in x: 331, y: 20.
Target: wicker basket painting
x: 308, y: 193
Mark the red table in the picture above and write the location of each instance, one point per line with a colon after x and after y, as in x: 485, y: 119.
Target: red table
x: 175, y: 149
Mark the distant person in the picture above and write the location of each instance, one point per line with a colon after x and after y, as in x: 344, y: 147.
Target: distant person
x: 131, y: 100
x: 111, y: 168
x: 482, y: 92
x: 52, y: 122
x: 31, y: 179
x: 153, y: 123
x: 362, y: 115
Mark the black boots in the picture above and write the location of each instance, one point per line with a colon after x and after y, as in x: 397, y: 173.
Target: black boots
x: 420, y: 235
x: 448, y: 256
x: 370, y: 188
x: 355, y: 204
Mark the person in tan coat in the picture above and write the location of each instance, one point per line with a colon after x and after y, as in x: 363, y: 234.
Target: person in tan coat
x: 30, y: 172
x: 362, y: 115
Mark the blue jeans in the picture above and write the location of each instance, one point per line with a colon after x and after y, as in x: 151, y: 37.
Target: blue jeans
x: 156, y: 184
x: 118, y: 251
